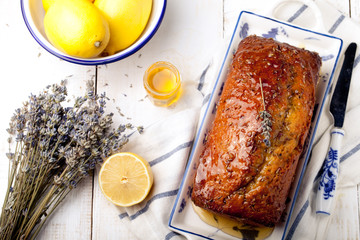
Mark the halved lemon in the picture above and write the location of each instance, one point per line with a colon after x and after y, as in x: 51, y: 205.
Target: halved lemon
x: 125, y: 179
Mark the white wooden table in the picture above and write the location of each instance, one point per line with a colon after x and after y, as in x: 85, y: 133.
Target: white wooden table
x: 189, y: 35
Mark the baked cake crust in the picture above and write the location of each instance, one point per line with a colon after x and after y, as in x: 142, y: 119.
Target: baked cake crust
x: 258, y: 134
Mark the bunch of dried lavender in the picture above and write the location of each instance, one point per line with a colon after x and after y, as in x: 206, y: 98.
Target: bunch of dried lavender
x: 54, y: 148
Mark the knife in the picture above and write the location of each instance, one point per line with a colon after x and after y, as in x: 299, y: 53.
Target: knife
x: 329, y: 176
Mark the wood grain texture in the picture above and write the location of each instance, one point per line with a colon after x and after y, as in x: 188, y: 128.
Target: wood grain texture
x: 347, y: 212
x: 358, y: 209
x: 347, y: 201
x: 188, y: 37
x: 355, y: 10
x: 342, y: 5
x: 27, y: 68
x: 73, y: 218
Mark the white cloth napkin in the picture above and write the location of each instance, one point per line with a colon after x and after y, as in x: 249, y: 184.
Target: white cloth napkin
x: 343, y: 223
x: 167, y: 144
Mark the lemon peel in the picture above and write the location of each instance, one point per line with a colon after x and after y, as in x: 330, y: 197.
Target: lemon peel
x: 77, y: 27
x: 47, y: 3
x: 127, y: 20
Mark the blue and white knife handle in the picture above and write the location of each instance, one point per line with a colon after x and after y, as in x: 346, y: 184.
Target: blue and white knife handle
x: 329, y: 176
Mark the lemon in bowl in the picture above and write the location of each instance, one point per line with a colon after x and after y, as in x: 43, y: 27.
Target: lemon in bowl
x: 127, y: 20
x: 48, y: 3
x: 33, y: 14
x: 125, y: 179
x: 77, y: 28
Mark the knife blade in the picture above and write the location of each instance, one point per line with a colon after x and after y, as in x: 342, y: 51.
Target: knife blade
x: 330, y: 168
x: 340, y: 96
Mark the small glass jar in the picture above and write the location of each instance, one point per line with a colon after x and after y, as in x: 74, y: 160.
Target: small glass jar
x: 162, y: 82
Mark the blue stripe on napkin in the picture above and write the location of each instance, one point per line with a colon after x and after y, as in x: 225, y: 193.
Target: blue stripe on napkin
x: 297, y: 220
x: 146, y: 208
x: 202, y: 78
x: 297, y: 13
x: 356, y: 61
x: 336, y: 24
x: 306, y: 204
x: 342, y: 159
x: 350, y: 153
x: 206, y: 99
x: 170, y: 235
x: 167, y: 155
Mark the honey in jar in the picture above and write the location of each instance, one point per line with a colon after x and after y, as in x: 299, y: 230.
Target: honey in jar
x: 162, y: 83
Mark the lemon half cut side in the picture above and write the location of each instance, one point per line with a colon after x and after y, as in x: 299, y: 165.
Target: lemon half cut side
x: 125, y: 179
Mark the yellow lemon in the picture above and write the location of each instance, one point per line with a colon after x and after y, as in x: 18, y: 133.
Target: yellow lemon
x: 77, y: 28
x: 127, y: 20
x: 48, y: 3
x: 125, y: 179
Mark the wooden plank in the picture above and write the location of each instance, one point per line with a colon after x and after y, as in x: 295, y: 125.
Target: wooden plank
x: 188, y: 37
x: 344, y: 223
x: 355, y: 10
x: 232, y: 9
x: 358, y: 199
x: 273, y: 9
x: 73, y: 218
x: 347, y: 205
x: 341, y: 5
x: 27, y: 68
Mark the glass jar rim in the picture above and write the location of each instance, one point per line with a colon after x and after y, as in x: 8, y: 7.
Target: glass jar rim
x: 169, y: 66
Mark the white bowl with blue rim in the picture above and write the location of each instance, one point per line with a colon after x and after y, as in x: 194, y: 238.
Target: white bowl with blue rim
x: 33, y: 14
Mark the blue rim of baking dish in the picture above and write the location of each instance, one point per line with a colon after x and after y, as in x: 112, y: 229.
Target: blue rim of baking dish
x: 308, y: 152
x: 92, y: 61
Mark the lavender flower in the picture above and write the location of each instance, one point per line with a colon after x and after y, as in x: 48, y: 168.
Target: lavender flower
x: 266, y: 122
x: 56, y: 147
